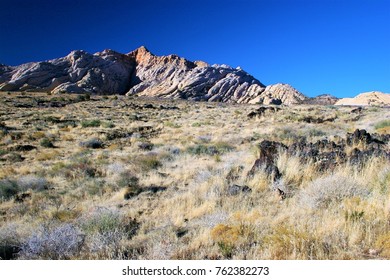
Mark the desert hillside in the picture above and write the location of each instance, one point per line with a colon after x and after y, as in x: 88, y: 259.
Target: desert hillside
x: 122, y: 177
x: 373, y: 98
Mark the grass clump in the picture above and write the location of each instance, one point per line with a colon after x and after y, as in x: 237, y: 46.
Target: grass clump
x: 108, y: 124
x: 383, y: 244
x: 147, y: 162
x: 8, y: 189
x: 218, y: 148
x: 53, y: 243
x: 106, y: 230
x: 90, y: 123
x: 83, y: 97
x: 32, y: 182
x: 333, y: 188
x: 46, y: 143
x: 382, y: 125
x: 226, y: 237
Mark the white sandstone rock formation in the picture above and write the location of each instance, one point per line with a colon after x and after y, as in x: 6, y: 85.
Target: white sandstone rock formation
x: 373, y: 98
x: 142, y: 73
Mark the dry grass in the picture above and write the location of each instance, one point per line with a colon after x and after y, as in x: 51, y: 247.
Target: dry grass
x: 157, y: 185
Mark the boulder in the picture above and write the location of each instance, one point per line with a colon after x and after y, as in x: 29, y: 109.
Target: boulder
x: 269, y: 151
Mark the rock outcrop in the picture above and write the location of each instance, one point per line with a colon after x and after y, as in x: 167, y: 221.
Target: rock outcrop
x: 142, y: 73
x: 100, y: 73
x: 278, y: 94
x: 356, y: 148
x: 175, y: 77
x: 373, y: 98
x: 323, y: 99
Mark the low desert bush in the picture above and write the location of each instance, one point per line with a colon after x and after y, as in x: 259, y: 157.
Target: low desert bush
x: 148, y: 161
x: 76, y: 169
x: 8, y: 189
x: 217, y: 148
x: 333, y: 188
x: 108, y: 124
x: 37, y: 135
x: 92, y: 144
x: 289, y: 242
x: 233, y: 238
x: 127, y: 179
x: 90, y: 123
x: 101, y: 220
x: 83, y: 97
x: 226, y: 237
x: 53, y: 242
x: 32, y: 182
x: 105, y: 230
x: 9, y: 243
x: 383, y: 244
x: 146, y: 146
x: 46, y: 143
x: 15, y: 157
x: 382, y: 124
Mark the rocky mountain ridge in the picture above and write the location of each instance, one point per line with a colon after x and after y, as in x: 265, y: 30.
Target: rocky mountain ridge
x: 142, y: 73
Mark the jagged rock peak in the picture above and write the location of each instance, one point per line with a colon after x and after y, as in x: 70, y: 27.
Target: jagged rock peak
x: 281, y: 94
x: 76, y: 54
x: 142, y: 54
x: 143, y: 57
x: 140, y: 50
x: 175, y: 77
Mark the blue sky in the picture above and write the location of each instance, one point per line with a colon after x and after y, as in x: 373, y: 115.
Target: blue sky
x: 324, y: 46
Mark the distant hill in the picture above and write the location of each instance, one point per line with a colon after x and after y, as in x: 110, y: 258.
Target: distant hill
x: 323, y: 99
x: 373, y: 98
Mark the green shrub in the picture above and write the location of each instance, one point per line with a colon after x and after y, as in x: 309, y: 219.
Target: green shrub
x: 196, y: 124
x: 93, y: 144
x: 3, y: 152
x: 15, y: 157
x: 382, y: 124
x: 105, y: 229
x: 46, y: 143
x: 172, y: 124
x: 83, y: 97
x: 108, y: 124
x: 127, y: 179
x: 9, y: 242
x: 100, y: 221
x: 209, y: 149
x: 90, y: 123
x: 8, y: 189
x: 148, y: 161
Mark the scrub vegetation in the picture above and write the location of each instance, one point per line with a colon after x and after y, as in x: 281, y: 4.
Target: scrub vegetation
x: 116, y: 177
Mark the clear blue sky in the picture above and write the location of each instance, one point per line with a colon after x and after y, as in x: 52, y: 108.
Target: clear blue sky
x: 317, y: 46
